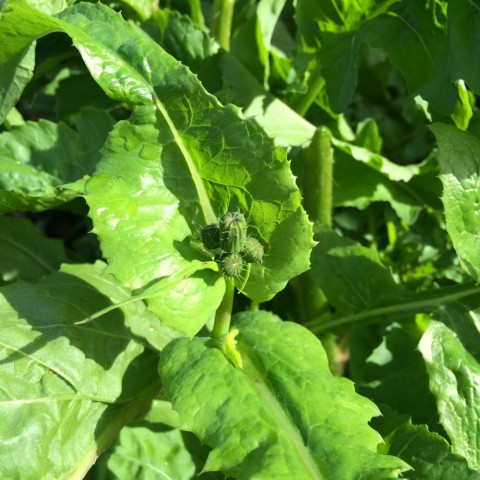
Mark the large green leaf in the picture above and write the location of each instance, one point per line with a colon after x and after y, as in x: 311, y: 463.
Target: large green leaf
x: 142, y: 226
x: 26, y: 254
x: 459, y: 158
x: 67, y: 389
x: 43, y: 164
x: 428, y: 453
x: 184, y: 148
x: 451, y: 349
x: 280, y: 416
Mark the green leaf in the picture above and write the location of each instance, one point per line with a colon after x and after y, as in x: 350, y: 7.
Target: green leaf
x: 451, y: 349
x: 20, y: 71
x: 463, y: 25
x: 422, y: 34
x: 393, y: 372
x: 428, y: 453
x: 194, y: 47
x: 459, y: 158
x: 150, y: 447
x: 67, y: 389
x: 278, y: 416
x: 45, y: 164
x: 196, y: 155
x: 143, y: 8
x: 252, y: 40
x: 24, y: 253
x: 351, y: 276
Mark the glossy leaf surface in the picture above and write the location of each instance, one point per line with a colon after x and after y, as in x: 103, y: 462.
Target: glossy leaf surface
x: 451, y: 351
x: 67, y: 389
x: 181, y: 160
x: 44, y: 164
x: 278, y: 416
x: 459, y: 160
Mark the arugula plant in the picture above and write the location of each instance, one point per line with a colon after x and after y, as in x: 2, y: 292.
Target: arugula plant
x: 239, y: 242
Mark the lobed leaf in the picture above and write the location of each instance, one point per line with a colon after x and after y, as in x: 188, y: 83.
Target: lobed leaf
x: 282, y: 415
x: 185, y: 153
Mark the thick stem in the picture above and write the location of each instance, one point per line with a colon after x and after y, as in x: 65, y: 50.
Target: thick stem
x: 317, y: 200
x: 317, y: 193
x: 315, y: 84
x: 222, y: 22
x: 224, y: 312
x: 318, y: 178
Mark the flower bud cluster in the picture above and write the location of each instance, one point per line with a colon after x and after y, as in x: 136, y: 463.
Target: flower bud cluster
x: 233, y: 248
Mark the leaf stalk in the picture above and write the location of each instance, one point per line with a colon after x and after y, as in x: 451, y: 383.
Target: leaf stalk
x: 415, y: 306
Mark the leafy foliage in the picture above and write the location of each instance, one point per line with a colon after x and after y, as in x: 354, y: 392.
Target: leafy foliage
x: 290, y: 405
x: 206, y: 211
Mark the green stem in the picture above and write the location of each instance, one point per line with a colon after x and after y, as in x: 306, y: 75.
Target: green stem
x: 317, y: 192
x: 315, y: 84
x: 224, y: 312
x: 196, y: 13
x: 222, y: 22
x: 424, y: 304
x: 317, y: 200
x: 318, y: 178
